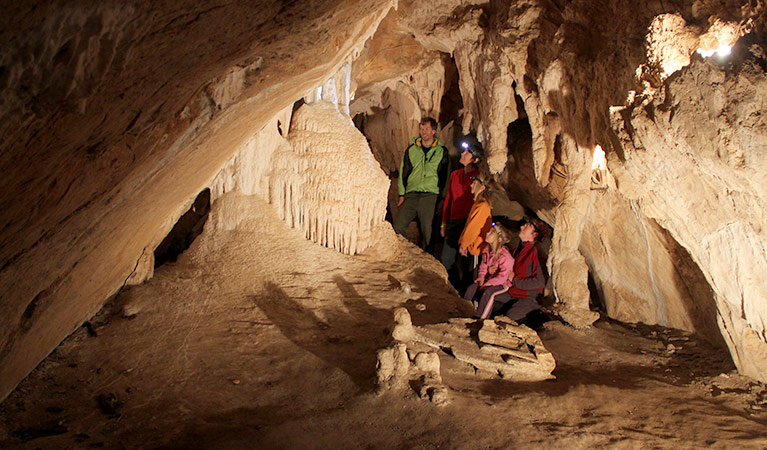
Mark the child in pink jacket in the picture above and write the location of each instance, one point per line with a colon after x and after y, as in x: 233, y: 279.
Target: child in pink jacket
x: 494, y: 271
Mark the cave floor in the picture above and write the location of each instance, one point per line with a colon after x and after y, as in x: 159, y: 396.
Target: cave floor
x: 257, y: 338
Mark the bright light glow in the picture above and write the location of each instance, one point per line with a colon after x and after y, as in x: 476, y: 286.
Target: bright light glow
x: 722, y: 51
x: 465, y: 144
x: 599, y: 162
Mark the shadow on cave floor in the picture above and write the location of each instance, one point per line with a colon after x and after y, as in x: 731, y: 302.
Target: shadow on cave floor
x: 432, y: 305
x: 218, y: 352
x: 347, y: 339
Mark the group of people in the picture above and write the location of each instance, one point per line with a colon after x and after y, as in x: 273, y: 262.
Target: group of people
x: 496, y: 272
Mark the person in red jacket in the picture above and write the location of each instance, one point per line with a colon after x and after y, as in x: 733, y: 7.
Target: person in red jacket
x: 455, y: 211
x: 529, y: 274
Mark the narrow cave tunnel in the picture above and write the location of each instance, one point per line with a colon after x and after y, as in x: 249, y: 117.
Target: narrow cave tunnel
x: 258, y: 146
x: 184, y: 232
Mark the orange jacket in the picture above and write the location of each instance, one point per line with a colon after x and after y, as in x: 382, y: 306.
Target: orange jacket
x: 477, y: 226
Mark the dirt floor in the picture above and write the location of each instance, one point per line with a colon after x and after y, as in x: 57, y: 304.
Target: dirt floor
x: 257, y: 338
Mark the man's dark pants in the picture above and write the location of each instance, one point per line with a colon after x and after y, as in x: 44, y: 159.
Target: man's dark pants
x: 420, y: 205
x: 458, y: 267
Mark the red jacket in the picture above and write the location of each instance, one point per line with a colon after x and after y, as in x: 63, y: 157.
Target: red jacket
x: 458, y: 199
x: 529, y: 277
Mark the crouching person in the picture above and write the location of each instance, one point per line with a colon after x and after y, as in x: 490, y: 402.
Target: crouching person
x: 495, y: 271
x: 529, y: 276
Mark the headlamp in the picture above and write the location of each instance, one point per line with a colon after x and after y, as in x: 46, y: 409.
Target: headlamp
x: 500, y: 235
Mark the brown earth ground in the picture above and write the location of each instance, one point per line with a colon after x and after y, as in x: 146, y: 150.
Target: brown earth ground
x: 257, y: 338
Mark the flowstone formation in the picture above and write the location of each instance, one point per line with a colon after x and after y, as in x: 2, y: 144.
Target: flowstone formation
x: 496, y: 348
x: 326, y: 182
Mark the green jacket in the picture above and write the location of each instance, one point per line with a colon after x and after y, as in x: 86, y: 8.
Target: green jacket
x: 421, y: 172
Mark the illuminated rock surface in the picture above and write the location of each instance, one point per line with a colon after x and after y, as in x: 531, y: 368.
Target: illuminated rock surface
x: 115, y: 118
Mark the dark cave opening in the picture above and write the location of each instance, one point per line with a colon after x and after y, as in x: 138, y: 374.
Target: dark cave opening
x: 519, y: 173
x: 359, y: 122
x: 596, y: 300
x: 184, y: 232
x: 451, y: 103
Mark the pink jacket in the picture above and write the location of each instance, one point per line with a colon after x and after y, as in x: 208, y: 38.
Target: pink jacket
x: 496, y: 268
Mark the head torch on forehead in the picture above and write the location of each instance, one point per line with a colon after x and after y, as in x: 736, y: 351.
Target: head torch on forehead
x: 500, y: 235
x: 527, y: 221
x: 471, y: 148
x: 479, y: 180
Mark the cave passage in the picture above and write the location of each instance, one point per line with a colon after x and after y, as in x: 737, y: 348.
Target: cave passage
x: 184, y: 232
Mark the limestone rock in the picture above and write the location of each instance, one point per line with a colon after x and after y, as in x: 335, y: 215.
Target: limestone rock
x: 428, y: 362
x: 495, y: 348
x: 514, y: 352
x: 679, y: 167
x: 113, y: 117
x: 403, y: 327
x: 144, y: 268
x: 326, y: 182
x: 393, y: 367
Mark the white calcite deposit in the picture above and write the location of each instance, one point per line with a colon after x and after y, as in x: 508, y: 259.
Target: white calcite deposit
x: 326, y: 181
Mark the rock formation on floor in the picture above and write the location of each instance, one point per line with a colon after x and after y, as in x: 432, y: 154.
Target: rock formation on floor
x: 496, y: 348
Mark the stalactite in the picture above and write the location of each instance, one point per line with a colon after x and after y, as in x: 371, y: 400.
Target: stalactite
x: 326, y: 182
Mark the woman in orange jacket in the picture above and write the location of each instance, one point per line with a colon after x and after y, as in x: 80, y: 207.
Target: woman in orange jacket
x: 480, y: 217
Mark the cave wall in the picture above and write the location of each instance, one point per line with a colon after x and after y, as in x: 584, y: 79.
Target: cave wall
x: 706, y: 131
x: 114, y: 117
x: 574, y: 65
x: 654, y: 280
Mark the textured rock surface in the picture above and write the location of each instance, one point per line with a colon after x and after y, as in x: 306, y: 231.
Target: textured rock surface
x: 666, y: 286
x: 327, y: 183
x: 493, y: 349
x: 696, y: 150
x: 114, y: 117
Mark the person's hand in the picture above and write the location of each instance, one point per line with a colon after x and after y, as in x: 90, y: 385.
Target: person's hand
x: 463, y: 251
x: 492, y: 271
x: 442, y: 230
x: 400, y: 201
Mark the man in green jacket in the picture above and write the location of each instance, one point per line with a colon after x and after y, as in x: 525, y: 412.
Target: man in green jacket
x: 422, y: 179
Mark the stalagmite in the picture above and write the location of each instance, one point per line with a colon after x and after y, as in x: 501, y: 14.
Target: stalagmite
x: 326, y: 182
